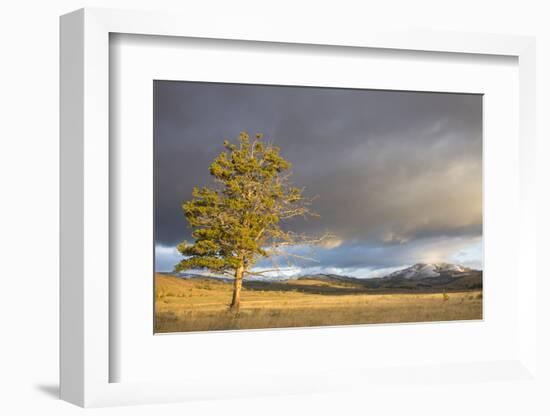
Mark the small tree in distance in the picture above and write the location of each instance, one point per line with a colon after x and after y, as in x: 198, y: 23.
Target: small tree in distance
x: 237, y: 222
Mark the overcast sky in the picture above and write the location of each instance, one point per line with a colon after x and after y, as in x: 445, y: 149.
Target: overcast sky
x: 398, y: 175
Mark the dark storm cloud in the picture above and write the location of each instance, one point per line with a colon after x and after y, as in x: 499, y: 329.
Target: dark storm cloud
x: 390, y: 169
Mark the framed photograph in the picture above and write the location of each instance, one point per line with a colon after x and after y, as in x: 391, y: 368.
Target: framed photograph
x: 285, y: 211
x: 355, y: 206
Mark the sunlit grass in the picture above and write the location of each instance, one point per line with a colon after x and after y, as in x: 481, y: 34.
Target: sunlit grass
x: 201, y: 305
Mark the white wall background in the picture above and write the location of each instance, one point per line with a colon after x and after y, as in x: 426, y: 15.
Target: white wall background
x: 29, y: 186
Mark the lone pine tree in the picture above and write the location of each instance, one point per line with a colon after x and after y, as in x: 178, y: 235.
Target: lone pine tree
x: 238, y: 221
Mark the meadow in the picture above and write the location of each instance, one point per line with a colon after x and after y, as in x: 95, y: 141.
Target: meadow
x: 183, y: 305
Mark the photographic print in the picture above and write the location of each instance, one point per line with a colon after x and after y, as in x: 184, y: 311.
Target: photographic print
x: 289, y: 206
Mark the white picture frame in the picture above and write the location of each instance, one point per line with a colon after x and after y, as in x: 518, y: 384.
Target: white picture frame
x: 85, y: 210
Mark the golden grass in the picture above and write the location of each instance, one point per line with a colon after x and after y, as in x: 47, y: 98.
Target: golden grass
x: 201, y: 305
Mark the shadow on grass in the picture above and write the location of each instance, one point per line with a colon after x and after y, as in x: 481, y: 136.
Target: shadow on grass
x: 371, y: 286
x: 303, y: 288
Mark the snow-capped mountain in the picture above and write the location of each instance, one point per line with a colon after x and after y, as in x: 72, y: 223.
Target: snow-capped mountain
x: 433, y: 272
x: 426, y: 270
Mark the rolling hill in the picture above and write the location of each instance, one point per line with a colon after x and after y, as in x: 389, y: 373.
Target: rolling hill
x: 420, y: 277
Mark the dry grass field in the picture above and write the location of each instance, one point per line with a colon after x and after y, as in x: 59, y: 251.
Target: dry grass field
x: 183, y: 305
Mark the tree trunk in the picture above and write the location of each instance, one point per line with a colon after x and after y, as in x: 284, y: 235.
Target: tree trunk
x: 238, y: 283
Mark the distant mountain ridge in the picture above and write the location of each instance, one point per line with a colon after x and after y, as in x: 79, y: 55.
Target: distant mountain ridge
x: 418, y: 278
x: 425, y: 270
x: 418, y: 271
